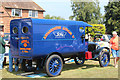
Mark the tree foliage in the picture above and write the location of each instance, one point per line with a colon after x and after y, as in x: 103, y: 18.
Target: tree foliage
x: 86, y: 11
x: 96, y: 27
x: 53, y: 17
x: 112, y: 16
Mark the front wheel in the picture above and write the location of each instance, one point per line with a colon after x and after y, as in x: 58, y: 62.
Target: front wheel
x: 104, y: 58
x: 54, y: 65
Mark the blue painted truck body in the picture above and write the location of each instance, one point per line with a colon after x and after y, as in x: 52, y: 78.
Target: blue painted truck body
x: 48, y: 42
x: 35, y: 38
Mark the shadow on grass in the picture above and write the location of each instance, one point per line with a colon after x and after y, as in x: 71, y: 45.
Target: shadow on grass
x: 68, y: 66
x: 14, y: 72
x: 74, y: 66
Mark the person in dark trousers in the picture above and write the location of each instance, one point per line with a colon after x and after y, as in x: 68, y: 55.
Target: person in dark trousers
x: 2, y: 49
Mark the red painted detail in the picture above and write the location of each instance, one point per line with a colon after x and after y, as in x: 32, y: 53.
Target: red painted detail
x: 88, y: 55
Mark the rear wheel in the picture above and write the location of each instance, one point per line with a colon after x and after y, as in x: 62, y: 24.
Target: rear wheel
x: 104, y: 58
x: 79, y: 61
x: 54, y: 65
x: 26, y: 65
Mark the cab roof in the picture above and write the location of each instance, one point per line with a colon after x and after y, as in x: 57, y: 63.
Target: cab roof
x: 56, y: 22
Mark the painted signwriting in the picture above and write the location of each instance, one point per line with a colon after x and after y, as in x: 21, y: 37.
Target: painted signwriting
x: 25, y: 41
x: 64, y: 28
x: 25, y: 44
x: 59, y: 32
x: 24, y: 37
x: 25, y: 48
x: 51, y: 30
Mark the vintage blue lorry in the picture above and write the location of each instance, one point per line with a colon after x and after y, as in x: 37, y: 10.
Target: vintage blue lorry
x: 48, y: 42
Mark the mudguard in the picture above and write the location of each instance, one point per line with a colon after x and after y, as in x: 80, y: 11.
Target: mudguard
x: 97, y: 51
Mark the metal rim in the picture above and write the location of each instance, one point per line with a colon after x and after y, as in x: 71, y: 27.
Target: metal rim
x: 104, y: 59
x: 55, y: 66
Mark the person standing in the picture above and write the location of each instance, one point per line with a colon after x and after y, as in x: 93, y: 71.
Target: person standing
x: 2, y: 49
x: 10, y: 57
x: 114, y: 48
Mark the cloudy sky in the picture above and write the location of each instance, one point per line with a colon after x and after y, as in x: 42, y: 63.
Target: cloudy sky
x: 62, y: 7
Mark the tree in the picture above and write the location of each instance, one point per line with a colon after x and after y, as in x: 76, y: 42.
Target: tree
x: 112, y: 16
x: 47, y: 16
x: 86, y: 11
x: 96, y: 28
x: 53, y: 17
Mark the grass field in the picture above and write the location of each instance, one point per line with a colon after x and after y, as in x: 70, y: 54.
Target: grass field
x: 90, y: 69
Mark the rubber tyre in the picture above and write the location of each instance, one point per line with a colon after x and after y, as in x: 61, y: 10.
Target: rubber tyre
x: 49, y: 62
x: 104, y: 58
x: 81, y: 61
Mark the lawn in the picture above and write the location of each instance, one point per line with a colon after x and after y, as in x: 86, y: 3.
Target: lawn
x: 90, y: 69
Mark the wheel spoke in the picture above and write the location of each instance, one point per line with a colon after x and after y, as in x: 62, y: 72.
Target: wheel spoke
x: 104, y: 59
x: 54, y: 65
x: 53, y: 60
x: 56, y: 68
x: 52, y: 69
